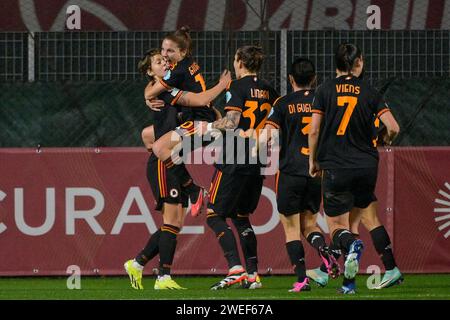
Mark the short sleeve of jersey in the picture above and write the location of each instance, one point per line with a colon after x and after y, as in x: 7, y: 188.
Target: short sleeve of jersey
x: 318, y: 105
x: 378, y: 104
x: 173, y: 78
x: 233, y: 99
x: 171, y: 97
x: 275, y: 115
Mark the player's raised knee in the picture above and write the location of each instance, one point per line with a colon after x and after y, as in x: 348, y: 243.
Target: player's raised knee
x: 148, y: 137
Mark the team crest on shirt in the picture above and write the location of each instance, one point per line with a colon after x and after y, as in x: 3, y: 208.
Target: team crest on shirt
x: 167, y: 76
x: 228, y: 96
x: 173, y: 193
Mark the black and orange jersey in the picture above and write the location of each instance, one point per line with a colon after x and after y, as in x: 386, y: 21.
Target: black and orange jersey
x: 376, y: 128
x: 186, y: 75
x: 292, y: 115
x: 166, y: 120
x: 253, y: 98
x: 349, y: 106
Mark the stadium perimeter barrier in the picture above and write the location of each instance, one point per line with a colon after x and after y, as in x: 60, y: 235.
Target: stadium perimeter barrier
x: 92, y: 207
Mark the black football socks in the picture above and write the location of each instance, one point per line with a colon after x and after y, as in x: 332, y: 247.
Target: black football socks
x: 248, y: 241
x: 226, y: 238
x: 167, y: 246
x: 296, y: 254
x: 150, y: 250
x: 382, y: 244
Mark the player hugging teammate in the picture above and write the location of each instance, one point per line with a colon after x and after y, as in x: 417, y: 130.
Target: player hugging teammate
x: 327, y: 153
x: 169, y: 192
x: 236, y: 185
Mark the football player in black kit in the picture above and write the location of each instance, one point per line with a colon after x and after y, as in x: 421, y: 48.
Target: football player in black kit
x: 236, y: 185
x: 184, y: 74
x: 344, y: 109
x: 170, y: 199
x: 380, y: 238
x: 298, y: 194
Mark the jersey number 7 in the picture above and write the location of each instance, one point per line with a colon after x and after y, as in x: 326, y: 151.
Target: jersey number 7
x: 351, y: 103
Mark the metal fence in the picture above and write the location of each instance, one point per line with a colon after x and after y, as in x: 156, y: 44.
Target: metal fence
x: 112, y: 56
x: 113, y: 113
x: 13, y: 57
x: 387, y: 54
x: 83, y: 89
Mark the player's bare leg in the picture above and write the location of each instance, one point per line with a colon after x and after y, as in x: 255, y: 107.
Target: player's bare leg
x: 165, y: 145
x: 166, y: 149
x: 148, y: 137
x: 355, y: 220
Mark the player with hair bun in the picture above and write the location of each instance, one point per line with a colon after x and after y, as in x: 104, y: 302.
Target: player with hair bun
x: 184, y: 74
x: 170, y: 199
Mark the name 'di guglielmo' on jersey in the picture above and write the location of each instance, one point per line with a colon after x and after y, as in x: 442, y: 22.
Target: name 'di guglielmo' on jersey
x: 299, y: 107
x: 347, y: 88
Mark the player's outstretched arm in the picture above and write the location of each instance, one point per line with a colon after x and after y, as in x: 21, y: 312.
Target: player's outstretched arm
x: 153, y: 90
x: 190, y: 99
x: 153, y: 103
x: 392, y: 127
x: 230, y: 121
x: 266, y: 137
x: 217, y: 112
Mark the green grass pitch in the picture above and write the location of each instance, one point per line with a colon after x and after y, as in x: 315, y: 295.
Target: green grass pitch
x: 436, y: 286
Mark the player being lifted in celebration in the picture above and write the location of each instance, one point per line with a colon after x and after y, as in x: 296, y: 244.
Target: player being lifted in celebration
x: 184, y: 74
x: 236, y: 186
x: 167, y: 192
x: 298, y: 195
x: 344, y: 109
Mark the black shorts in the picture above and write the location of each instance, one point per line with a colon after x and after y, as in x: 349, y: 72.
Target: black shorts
x: 295, y: 194
x: 344, y: 189
x: 233, y: 194
x: 165, y: 188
